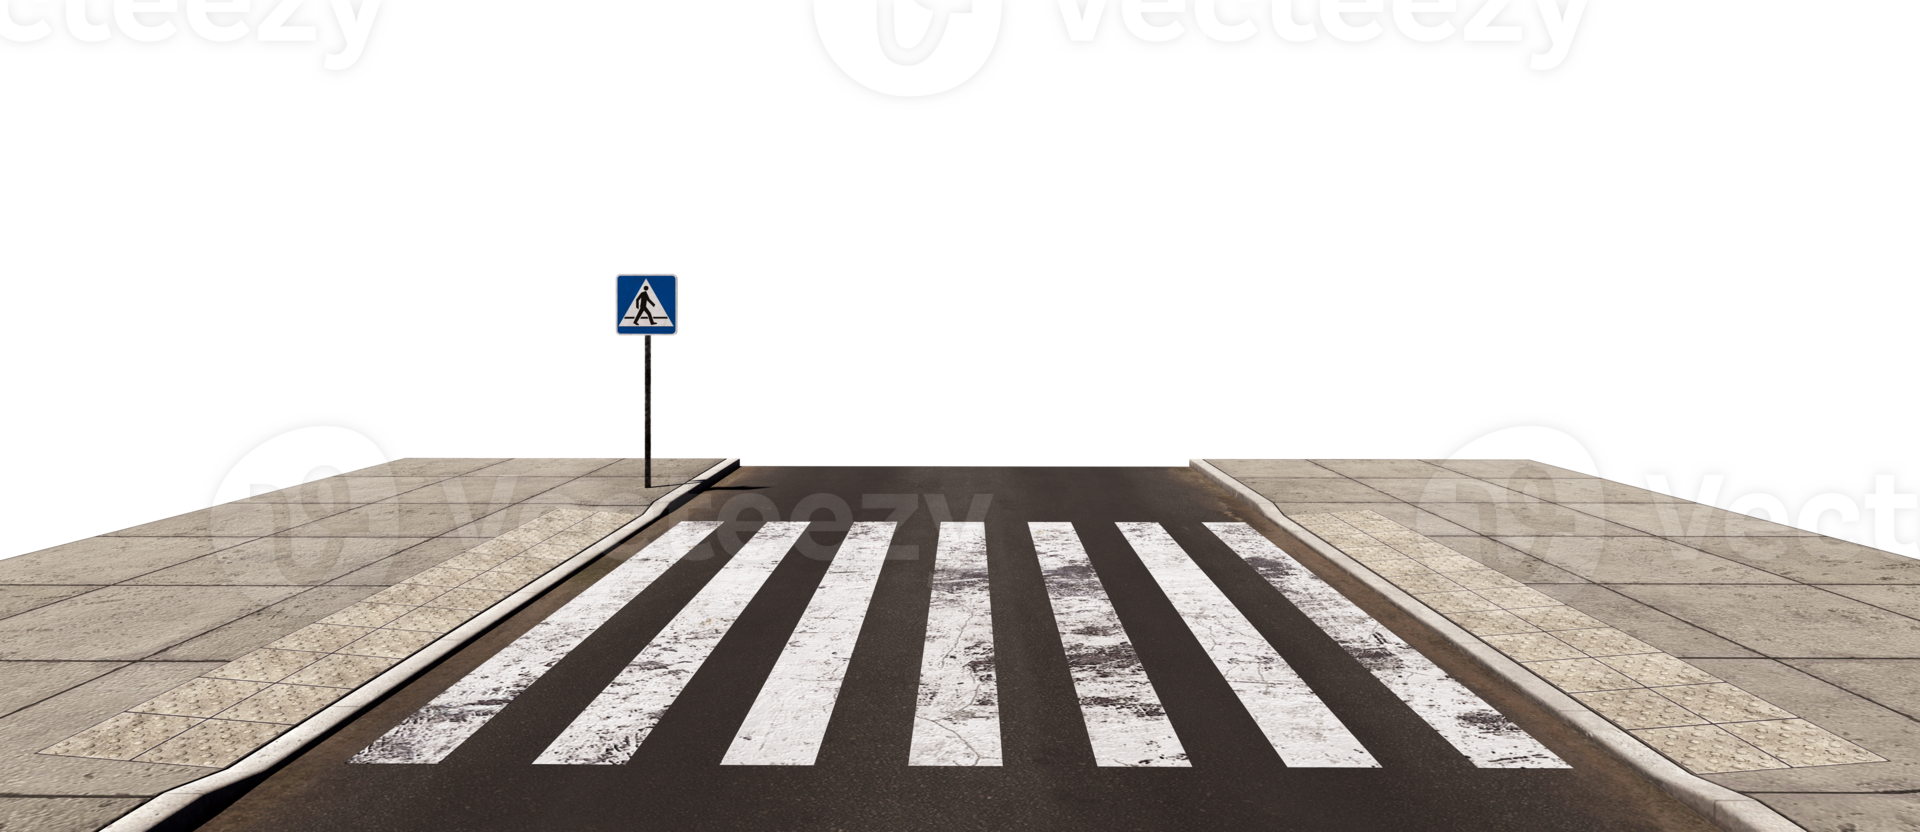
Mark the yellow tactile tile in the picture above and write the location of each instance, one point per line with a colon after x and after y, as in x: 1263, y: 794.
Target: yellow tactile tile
x: 1605, y: 641
x: 1399, y: 566
x: 1517, y: 597
x: 1492, y: 622
x: 201, y: 697
x: 284, y: 704
x: 1449, y: 563
x: 341, y: 670
x: 215, y: 743
x: 1482, y: 579
x: 123, y: 737
x: 502, y: 547
x: 1721, y: 702
x: 1463, y: 601
x: 475, y: 560
x: 498, y: 580
x: 1638, y: 708
x: 265, y: 665
x: 1657, y: 669
x: 1370, y: 553
x: 392, y: 644
x: 1424, y: 548
x: 1576, y: 675
x: 1419, y: 584
x: 1705, y: 749
x: 366, y: 614
x: 1798, y: 742
x: 468, y: 599
x: 526, y: 565
x: 1558, y: 618
x: 320, y: 638
x: 444, y: 576
x: 411, y: 595
x: 1533, y: 647
x: 432, y: 619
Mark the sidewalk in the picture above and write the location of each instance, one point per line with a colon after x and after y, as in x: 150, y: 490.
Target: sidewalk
x: 1775, y: 662
x: 140, y: 660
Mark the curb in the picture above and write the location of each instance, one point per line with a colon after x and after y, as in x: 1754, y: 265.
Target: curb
x: 190, y: 804
x: 1725, y: 808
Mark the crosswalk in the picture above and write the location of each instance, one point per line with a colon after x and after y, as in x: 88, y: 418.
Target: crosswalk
x: 956, y: 720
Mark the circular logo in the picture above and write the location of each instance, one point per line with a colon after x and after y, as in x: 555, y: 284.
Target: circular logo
x: 908, y: 47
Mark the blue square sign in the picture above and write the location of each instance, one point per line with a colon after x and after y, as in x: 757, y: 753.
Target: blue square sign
x: 647, y: 305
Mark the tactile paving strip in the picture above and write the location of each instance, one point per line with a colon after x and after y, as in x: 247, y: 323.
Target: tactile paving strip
x: 1687, y: 714
x: 215, y: 720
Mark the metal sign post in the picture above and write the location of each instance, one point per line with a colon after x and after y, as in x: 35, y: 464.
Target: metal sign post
x: 646, y: 408
x: 649, y: 306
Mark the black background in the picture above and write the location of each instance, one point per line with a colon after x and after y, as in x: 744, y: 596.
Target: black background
x: 166, y: 433
x: 720, y: 137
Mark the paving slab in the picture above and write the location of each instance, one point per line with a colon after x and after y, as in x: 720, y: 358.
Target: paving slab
x: 353, y: 490
x: 25, y: 732
x: 1891, y: 683
x: 429, y: 467
x: 1526, y: 520
x: 148, y: 657
x: 24, y: 683
x: 230, y: 641
x: 1793, y: 621
x: 236, y: 519
x: 121, y: 623
x: 1812, y: 559
x: 1440, y: 490
x: 1643, y: 622
x: 1684, y: 519
x: 1640, y: 559
x: 1777, y: 662
x: 545, y: 467
x: 281, y: 559
x: 18, y: 599
x: 108, y: 560
x: 395, y: 520
x: 62, y: 814
x: 478, y: 489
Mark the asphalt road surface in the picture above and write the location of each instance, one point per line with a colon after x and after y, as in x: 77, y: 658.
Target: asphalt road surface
x: 1112, y: 648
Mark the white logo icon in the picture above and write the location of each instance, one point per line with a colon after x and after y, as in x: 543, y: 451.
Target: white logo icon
x: 908, y: 47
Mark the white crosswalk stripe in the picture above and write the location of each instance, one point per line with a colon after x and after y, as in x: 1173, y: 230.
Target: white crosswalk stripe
x: 1125, y: 721
x: 957, y: 719
x: 789, y: 718
x: 612, y: 727
x: 1486, y: 737
x: 1296, y: 722
x: 434, y: 731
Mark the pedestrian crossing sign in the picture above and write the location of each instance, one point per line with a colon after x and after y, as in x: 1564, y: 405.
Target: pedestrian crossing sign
x: 647, y: 305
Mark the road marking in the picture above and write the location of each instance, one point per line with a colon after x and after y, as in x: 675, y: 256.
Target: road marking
x: 1302, y: 729
x: 1481, y: 733
x: 1125, y: 721
x: 957, y: 720
x: 612, y: 727
x: 435, y: 730
x: 789, y: 717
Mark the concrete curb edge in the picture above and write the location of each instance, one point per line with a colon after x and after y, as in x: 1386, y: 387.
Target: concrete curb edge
x: 1728, y: 809
x: 175, y: 807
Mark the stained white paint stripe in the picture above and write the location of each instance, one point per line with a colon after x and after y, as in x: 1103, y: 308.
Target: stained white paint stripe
x: 1301, y: 727
x: 612, y: 727
x: 1125, y: 721
x: 957, y: 719
x: 439, y: 727
x: 1481, y: 733
x: 789, y: 717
